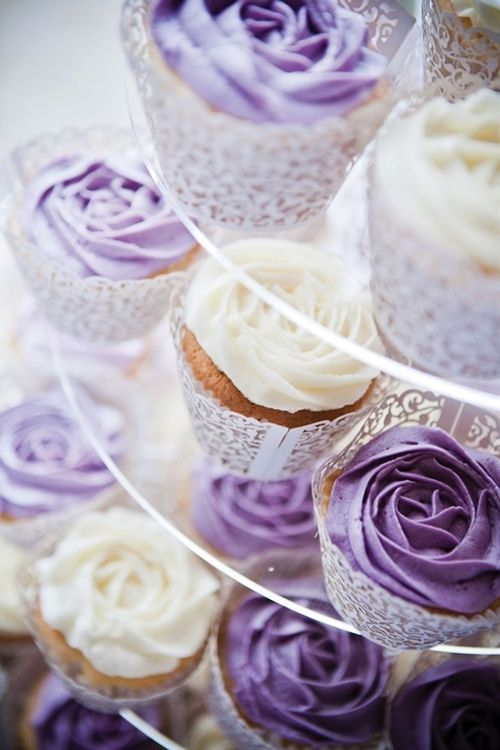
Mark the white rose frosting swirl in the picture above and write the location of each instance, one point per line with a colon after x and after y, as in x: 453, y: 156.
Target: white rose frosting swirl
x: 439, y: 172
x: 273, y: 362
x: 131, y: 600
x: 11, y: 620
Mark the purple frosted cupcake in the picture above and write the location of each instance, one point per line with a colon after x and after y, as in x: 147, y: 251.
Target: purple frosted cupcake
x: 274, y: 97
x: 96, y: 240
x: 242, y: 517
x: 415, y: 517
x: 452, y: 706
x: 284, y: 680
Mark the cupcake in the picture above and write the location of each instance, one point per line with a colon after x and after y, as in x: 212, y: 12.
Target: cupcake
x: 204, y: 734
x: 14, y: 633
x: 282, y: 680
x: 121, y: 610
x: 240, y: 517
x: 410, y: 535
x: 434, y: 234
x: 461, y: 45
x: 452, y: 706
x: 96, y: 241
x: 48, y: 468
x: 267, y: 397
x: 274, y: 98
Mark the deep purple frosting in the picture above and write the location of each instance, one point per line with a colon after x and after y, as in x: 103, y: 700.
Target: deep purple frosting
x: 241, y: 517
x: 301, y: 680
x: 46, y: 461
x: 59, y: 722
x: 269, y: 60
x: 453, y: 706
x: 420, y: 515
x: 103, y: 218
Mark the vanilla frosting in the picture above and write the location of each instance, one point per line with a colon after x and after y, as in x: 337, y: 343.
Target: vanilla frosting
x: 272, y: 361
x: 439, y: 172
x: 133, y: 601
x: 11, y: 620
x: 482, y: 13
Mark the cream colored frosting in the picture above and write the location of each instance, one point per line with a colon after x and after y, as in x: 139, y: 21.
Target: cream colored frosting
x: 11, y: 619
x: 206, y: 735
x: 273, y: 362
x: 439, y: 172
x: 482, y: 13
x: 130, y: 598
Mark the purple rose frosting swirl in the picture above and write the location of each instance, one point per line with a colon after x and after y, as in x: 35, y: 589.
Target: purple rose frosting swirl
x: 46, y: 462
x: 269, y: 60
x: 241, y: 517
x: 59, y: 722
x: 420, y: 516
x: 453, y: 706
x: 103, y: 218
x: 303, y: 681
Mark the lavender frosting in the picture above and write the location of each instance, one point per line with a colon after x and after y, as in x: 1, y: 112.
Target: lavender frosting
x: 103, y: 218
x: 420, y: 516
x: 59, y: 722
x: 241, y: 517
x: 46, y: 462
x: 269, y: 60
x: 452, y: 706
x: 299, y: 679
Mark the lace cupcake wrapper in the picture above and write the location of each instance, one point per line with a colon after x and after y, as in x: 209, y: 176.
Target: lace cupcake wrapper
x: 457, y: 58
x: 244, y: 175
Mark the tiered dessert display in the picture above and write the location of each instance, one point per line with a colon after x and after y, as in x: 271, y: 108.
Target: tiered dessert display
x: 342, y: 496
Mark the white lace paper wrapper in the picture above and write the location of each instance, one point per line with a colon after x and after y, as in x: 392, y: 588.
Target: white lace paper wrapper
x: 378, y: 614
x: 245, y: 175
x: 457, y: 58
x: 259, y: 450
x: 433, y: 307
x: 92, y: 308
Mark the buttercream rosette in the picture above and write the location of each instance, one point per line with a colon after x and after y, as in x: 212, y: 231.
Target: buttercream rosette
x: 97, y: 243
x: 434, y: 228
x: 121, y: 613
x: 257, y: 109
x: 282, y: 680
x: 409, y: 528
x: 266, y: 397
x: 461, y: 46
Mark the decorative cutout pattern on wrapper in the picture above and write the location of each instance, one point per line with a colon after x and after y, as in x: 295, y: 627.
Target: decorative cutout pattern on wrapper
x: 379, y: 615
x: 246, y: 175
x: 458, y: 59
x: 246, y: 446
x: 433, y: 307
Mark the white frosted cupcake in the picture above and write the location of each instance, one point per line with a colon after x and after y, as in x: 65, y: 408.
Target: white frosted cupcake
x: 14, y: 632
x: 435, y: 226
x: 265, y: 396
x: 121, y: 610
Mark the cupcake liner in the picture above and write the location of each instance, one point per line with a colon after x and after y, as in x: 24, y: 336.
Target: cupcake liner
x: 259, y: 450
x: 240, y: 174
x: 457, y: 58
x: 72, y: 669
x: 451, y: 325
x: 92, y: 308
x: 378, y: 614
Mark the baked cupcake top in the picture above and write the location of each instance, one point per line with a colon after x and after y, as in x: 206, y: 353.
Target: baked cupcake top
x: 11, y: 620
x: 46, y: 461
x: 132, y: 600
x: 102, y: 217
x: 59, y: 722
x: 274, y: 362
x: 420, y: 515
x: 269, y: 60
x: 439, y: 172
x: 481, y: 13
x: 242, y: 517
x: 301, y: 680
x: 451, y: 706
